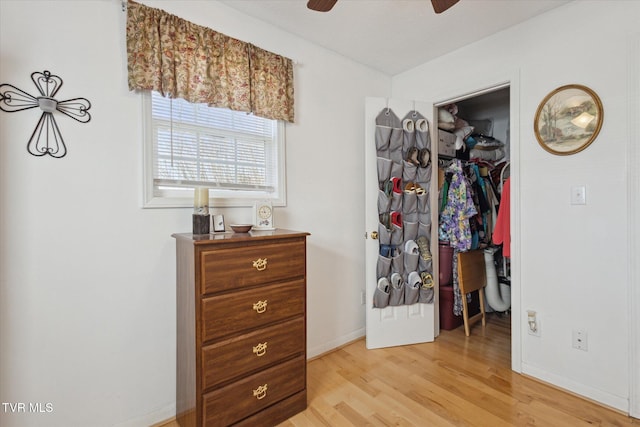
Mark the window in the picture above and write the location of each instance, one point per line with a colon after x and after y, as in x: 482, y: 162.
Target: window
x: 238, y: 156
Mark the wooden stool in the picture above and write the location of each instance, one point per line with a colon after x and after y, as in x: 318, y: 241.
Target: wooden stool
x: 472, y: 276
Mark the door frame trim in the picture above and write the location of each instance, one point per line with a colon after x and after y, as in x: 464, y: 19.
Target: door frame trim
x: 512, y: 80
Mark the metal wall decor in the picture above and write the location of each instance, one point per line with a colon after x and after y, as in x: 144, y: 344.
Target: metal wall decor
x: 46, y: 137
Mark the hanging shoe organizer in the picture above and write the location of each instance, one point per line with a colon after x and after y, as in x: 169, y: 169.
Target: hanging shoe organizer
x: 404, y: 269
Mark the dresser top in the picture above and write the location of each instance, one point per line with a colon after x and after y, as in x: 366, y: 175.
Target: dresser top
x: 230, y: 236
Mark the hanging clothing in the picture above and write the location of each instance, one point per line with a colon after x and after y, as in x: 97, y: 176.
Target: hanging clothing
x: 502, y: 232
x: 454, y: 224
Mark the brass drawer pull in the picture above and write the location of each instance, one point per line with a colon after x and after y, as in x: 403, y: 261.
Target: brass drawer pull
x: 260, y: 392
x: 261, y: 349
x: 260, y: 264
x: 260, y: 306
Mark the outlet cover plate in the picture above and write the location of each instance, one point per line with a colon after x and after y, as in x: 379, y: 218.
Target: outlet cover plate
x: 538, y: 331
x: 579, y: 195
x: 579, y: 339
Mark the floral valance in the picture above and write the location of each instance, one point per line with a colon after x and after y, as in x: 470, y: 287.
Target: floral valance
x: 180, y: 59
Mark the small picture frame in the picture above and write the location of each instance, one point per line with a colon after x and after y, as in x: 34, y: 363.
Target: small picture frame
x: 218, y: 223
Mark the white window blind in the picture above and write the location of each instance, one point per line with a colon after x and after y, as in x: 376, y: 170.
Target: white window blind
x: 238, y: 156
x: 197, y: 145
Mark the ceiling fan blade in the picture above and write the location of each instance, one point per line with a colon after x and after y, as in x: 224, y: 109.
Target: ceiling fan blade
x: 441, y: 5
x: 321, y: 5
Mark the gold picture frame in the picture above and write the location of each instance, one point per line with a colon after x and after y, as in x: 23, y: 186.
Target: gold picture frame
x: 568, y: 120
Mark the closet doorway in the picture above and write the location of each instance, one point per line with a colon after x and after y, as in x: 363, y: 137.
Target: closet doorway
x: 478, y: 131
x: 389, y: 326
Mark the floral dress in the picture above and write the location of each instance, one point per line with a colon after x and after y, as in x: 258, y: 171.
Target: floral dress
x: 454, y: 224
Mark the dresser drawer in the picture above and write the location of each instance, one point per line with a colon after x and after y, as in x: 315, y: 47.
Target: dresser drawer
x: 241, y: 399
x: 228, y: 314
x: 234, y: 268
x: 229, y: 359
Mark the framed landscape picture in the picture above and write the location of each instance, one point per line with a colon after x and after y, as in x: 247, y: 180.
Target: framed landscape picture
x: 568, y: 119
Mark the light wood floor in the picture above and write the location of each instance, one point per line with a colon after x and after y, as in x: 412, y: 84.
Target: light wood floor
x: 456, y: 381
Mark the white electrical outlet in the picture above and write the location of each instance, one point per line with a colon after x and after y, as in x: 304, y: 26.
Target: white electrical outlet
x: 579, y: 195
x: 533, y: 323
x: 579, y: 339
x: 536, y: 332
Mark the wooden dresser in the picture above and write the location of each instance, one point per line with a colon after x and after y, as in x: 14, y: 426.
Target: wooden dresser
x: 241, y: 328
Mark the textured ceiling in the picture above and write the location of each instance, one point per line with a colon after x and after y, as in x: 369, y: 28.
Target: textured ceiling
x: 393, y: 36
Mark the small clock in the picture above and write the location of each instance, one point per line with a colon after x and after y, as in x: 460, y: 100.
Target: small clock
x: 263, y: 215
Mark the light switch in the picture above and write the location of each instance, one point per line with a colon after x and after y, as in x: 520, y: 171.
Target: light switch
x: 579, y: 195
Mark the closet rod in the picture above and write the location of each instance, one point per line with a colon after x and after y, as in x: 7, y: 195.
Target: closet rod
x: 446, y: 162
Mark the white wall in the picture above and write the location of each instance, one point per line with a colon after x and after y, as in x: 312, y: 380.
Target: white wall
x: 87, y: 277
x: 573, y: 259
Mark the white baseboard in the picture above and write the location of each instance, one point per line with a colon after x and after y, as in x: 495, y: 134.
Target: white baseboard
x: 333, y: 344
x: 160, y: 415
x: 598, y: 396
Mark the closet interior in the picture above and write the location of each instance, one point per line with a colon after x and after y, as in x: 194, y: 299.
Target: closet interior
x: 473, y: 200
